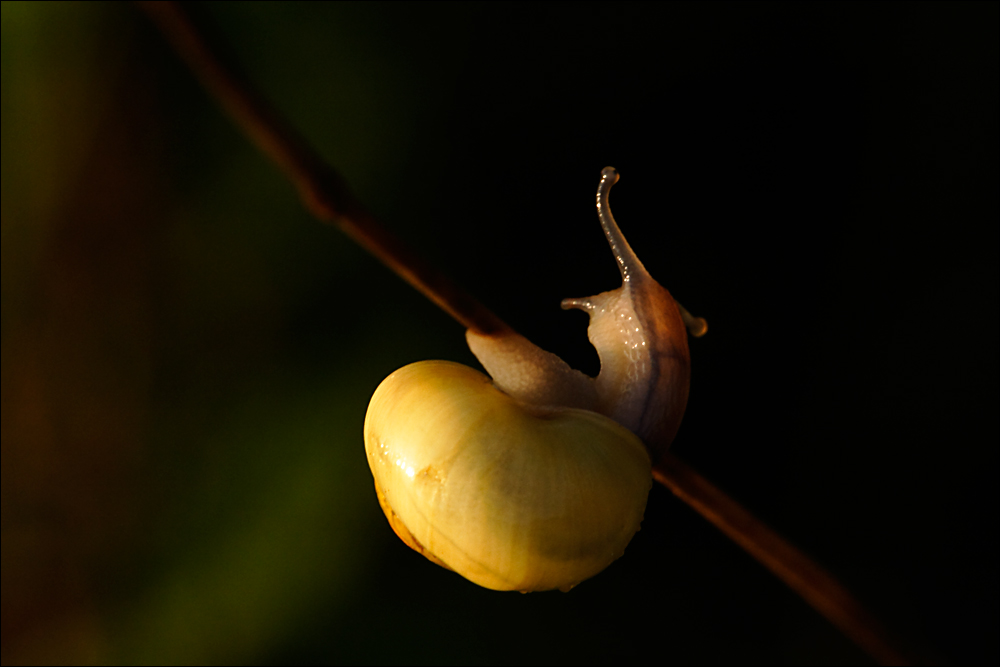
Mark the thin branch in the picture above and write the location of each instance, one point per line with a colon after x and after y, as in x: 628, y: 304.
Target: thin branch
x: 805, y: 577
x: 326, y: 194
x: 323, y: 191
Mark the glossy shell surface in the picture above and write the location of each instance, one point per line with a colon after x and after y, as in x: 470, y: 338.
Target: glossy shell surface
x: 509, y: 495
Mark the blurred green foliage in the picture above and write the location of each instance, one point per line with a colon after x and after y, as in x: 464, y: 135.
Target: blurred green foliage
x: 183, y: 475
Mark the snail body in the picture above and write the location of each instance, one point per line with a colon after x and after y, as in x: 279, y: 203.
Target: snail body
x: 538, y: 478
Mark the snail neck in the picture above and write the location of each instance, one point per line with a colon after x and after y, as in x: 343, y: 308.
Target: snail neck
x: 528, y: 373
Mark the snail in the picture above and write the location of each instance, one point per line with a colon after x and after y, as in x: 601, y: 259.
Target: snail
x: 537, y: 478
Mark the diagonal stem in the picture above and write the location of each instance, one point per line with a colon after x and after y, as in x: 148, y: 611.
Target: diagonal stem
x: 326, y: 194
x: 323, y: 191
x: 816, y: 586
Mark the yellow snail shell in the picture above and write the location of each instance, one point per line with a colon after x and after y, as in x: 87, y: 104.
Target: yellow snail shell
x: 538, y: 478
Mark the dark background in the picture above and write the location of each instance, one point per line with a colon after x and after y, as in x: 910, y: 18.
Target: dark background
x: 187, y: 356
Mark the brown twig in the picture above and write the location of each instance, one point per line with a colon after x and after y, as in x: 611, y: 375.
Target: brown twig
x: 805, y: 577
x: 326, y: 194
x: 323, y: 191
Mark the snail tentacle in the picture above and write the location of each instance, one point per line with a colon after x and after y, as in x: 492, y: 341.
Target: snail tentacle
x: 628, y: 262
